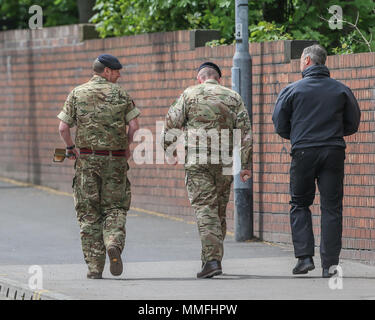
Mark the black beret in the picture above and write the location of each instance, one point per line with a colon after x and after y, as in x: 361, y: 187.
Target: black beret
x: 210, y: 65
x: 110, y: 61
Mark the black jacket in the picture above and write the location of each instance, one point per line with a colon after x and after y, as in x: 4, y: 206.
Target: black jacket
x: 316, y: 111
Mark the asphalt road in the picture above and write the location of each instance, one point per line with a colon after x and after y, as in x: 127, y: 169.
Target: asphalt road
x: 161, y: 258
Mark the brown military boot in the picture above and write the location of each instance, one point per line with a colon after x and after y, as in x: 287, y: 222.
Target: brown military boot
x: 94, y: 275
x: 114, y: 255
x: 210, y: 269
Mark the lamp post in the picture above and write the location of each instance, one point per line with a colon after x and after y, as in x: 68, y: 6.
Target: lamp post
x: 241, y: 83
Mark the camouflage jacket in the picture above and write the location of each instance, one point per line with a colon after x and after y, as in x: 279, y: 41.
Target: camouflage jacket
x: 203, y: 109
x: 100, y: 109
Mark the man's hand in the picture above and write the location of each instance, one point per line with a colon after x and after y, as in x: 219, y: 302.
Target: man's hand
x: 245, y: 175
x: 72, y: 154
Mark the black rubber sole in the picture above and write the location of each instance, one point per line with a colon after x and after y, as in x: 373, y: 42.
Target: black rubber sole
x: 304, y: 271
x: 211, y: 274
x: 329, y: 275
x: 114, y: 255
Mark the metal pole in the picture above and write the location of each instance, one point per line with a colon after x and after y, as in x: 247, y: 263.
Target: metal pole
x: 241, y: 83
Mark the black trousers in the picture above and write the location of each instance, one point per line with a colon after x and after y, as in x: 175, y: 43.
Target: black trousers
x: 326, y: 166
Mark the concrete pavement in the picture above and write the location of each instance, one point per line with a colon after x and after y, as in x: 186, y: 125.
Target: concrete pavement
x: 38, y: 228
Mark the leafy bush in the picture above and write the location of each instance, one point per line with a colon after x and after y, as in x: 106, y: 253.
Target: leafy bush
x: 266, y: 31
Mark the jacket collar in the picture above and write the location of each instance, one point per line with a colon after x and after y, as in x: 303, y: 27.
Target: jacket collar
x: 98, y: 78
x: 316, y: 70
x: 213, y: 81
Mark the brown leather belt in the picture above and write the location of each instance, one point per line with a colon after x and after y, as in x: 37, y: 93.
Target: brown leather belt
x: 115, y: 153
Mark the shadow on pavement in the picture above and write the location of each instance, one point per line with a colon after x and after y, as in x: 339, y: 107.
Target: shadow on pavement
x: 233, y: 277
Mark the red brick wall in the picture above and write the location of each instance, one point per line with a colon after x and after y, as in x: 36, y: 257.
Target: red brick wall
x: 39, y: 68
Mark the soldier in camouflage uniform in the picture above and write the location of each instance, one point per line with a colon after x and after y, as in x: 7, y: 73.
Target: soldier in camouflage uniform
x: 202, y: 108
x: 101, y: 110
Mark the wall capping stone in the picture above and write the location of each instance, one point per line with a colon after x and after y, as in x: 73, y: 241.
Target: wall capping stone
x: 294, y: 48
x: 87, y: 31
x: 199, y: 37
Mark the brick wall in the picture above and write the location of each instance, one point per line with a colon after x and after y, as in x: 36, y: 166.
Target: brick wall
x: 39, y: 68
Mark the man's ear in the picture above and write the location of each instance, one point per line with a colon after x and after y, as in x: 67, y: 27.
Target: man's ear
x: 308, y: 60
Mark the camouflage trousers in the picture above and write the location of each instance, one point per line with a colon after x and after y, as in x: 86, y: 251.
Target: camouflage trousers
x: 208, y: 192
x: 102, y: 198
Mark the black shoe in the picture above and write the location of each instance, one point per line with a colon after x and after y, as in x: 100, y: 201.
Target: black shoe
x: 219, y: 262
x: 114, y: 255
x: 94, y: 275
x: 327, y: 274
x: 210, y: 269
x: 304, y: 265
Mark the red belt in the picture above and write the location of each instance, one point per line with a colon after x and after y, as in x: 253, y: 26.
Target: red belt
x: 115, y: 153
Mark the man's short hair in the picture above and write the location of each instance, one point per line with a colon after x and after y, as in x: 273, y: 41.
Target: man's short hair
x: 317, y: 54
x: 212, y: 65
x: 97, y: 66
x: 208, y: 73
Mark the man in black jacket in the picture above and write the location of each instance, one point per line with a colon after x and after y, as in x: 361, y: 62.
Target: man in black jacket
x: 315, y: 113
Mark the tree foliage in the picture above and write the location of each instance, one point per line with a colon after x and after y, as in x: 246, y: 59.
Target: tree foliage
x: 305, y: 24
x: 127, y: 17
x: 14, y: 14
x: 269, y: 20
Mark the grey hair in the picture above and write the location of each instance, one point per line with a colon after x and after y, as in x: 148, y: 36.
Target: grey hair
x: 97, y: 66
x: 209, y: 73
x: 317, y: 54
